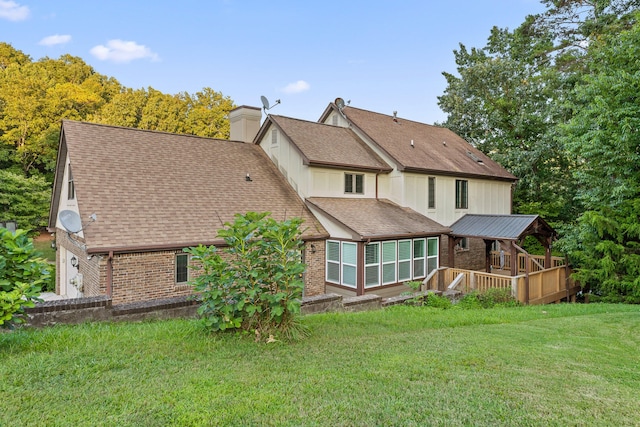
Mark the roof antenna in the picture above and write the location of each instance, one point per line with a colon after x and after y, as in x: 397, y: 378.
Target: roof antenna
x: 265, y: 103
x: 395, y: 116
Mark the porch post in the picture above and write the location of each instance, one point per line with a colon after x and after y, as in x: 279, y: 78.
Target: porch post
x: 452, y: 250
x: 547, y: 253
x: 514, y: 258
x: 487, y: 254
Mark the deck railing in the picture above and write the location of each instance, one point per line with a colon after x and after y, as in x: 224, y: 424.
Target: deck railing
x: 502, y: 260
x: 544, y: 286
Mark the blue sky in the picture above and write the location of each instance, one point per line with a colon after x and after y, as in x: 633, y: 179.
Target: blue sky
x: 383, y: 56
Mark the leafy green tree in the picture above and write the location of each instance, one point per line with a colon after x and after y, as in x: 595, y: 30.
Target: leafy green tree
x: 510, y: 97
x: 604, y: 136
x: 25, y: 200
x: 22, y: 274
x: 255, y: 282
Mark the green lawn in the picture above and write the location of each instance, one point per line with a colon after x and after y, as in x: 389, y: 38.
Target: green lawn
x: 541, y: 365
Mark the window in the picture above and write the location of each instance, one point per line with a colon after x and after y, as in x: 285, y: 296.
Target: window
x: 274, y: 137
x: 432, y: 254
x: 463, y: 244
x: 389, y: 262
x: 462, y: 194
x: 385, y: 263
x: 71, y: 189
x: 418, y: 258
x: 432, y: 193
x: 333, y: 261
x: 182, y: 271
x: 354, y: 183
x: 372, y: 265
x: 404, y: 260
x: 349, y: 263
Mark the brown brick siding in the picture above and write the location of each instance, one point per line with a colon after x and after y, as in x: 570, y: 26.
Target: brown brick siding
x: 314, y: 275
x: 144, y: 276
x: 468, y: 259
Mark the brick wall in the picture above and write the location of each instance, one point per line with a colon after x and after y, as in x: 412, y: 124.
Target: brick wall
x: 314, y: 275
x: 468, y: 259
x: 145, y: 276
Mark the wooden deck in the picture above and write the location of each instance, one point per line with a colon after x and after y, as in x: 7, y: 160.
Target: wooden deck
x: 538, y: 285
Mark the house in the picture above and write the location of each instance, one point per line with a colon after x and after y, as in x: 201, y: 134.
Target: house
x: 386, y: 189
x: 378, y: 194
x: 143, y: 196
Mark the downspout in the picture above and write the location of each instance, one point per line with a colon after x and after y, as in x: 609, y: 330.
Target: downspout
x: 110, y: 275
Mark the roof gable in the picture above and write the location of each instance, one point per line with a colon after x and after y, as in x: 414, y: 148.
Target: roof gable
x: 155, y: 189
x: 419, y: 147
x: 326, y: 145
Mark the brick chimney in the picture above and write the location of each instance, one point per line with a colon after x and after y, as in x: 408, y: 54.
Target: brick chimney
x: 245, y: 123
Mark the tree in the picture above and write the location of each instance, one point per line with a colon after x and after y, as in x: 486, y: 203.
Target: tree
x: 22, y: 273
x: 511, y: 97
x: 25, y: 200
x: 603, y: 135
x: 256, y: 283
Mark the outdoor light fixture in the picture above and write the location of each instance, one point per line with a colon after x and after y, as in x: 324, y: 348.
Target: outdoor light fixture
x: 313, y: 248
x: 74, y: 261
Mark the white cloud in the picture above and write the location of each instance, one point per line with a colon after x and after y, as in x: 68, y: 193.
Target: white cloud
x: 55, y: 39
x: 296, y: 87
x: 13, y: 11
x: 122, y: 51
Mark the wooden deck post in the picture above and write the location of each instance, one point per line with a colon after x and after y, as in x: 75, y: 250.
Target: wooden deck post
x: 514, y: 258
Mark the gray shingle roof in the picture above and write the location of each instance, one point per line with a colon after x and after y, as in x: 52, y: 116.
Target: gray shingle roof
x: 155, y: 189
x: 435, y: 149
x: 326, y: 145
x: 377, y: 218
x: 500, y: 227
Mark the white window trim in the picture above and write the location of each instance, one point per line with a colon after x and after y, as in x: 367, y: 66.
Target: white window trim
x: 394, y: 262
x: 376, y: 264
x: 343, y: 264
x: 408, y: 260
x: 327, y: 262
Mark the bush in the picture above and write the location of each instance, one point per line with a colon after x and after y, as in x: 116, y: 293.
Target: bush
x: 22, y: 274
x: 256, y: 285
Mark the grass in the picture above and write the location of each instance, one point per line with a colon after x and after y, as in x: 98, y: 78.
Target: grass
x: 43, y: 245
x: 554, y: 365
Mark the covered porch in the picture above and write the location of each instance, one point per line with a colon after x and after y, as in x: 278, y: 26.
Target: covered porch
x: 532, y: 279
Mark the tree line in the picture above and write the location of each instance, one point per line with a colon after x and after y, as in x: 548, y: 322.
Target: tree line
x: 36, y: 95
x: 556, y: 101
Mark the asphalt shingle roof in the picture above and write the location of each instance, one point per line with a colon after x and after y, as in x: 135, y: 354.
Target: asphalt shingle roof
x: 155, y: 189
x: 377, y: 218
x: 332, y: 146
x: 435, y: 149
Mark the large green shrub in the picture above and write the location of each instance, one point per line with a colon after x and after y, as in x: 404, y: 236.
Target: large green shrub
x: 255, y: 282
x: 22, y: 273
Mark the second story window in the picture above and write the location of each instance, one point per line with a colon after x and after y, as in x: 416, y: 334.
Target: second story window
x: 71, y: 189
x: 354, y: 183
x: 432, y: 193
x: 274, y: 137
x: 462, y: 194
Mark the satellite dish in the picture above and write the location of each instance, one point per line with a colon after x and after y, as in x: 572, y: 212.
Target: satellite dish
x: 340, y: 103
x: 70, y: 221
x: 265, y: 102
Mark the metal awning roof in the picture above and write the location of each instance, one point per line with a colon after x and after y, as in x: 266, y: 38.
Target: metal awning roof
x: 501, y: 227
